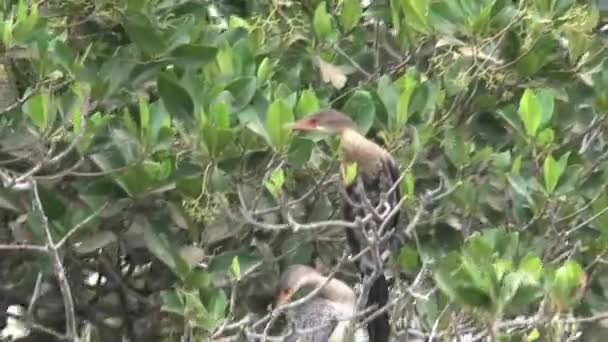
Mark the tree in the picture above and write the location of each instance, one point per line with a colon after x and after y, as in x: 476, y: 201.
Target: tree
x: 151, y: 190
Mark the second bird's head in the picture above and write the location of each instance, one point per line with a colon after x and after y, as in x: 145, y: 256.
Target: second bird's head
x: 328, y: 121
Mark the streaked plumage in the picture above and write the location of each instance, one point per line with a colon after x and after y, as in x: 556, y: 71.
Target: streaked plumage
x: 323, y: 318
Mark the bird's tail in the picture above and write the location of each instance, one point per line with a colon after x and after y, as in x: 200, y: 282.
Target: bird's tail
x: 379, y: 329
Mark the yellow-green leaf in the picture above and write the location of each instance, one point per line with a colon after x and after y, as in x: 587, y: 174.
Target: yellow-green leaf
x: 275, y: 183
x: 279, y: 114
x: 350, y: 14
x: 533, y: 335
x: 322, y: 21
x: 236, y: 267
x: 530, y: 112
x: 349, y: 173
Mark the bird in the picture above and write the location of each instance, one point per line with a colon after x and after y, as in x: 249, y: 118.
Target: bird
x: 375, y: 183
x: 323, y: 318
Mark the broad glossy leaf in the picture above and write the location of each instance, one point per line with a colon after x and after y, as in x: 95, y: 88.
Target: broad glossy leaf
x: 242, y: 89
x: 175, y: 98
x: 360, y: 107
x: 37, y: 108
x: 521, y: 187
x: 455, y: 147
x: 531, y: 267
x: 264, y: 70
x: 144, y: 33
x: 566, y: 281
x: 216, y: 139
x: 530, y: 112
x: 416, y: 12
x: 236, y: 267
x: 551, y: 173
x: 350, y: 14
x: 322, y: 21
x: 171, y: 302
x: 299, y: 152
x: 546, y: 98
x: 193, y: 56
x: 308, y: 103
x: 403, y: 104
x: 599, y: 206
x: 278, y: 116
x: 62, y: 55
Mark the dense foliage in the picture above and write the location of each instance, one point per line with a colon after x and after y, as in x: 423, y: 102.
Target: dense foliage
x: 151, y: 191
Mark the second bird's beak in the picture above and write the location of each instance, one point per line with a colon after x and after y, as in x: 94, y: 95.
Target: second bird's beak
x: 281, y: 300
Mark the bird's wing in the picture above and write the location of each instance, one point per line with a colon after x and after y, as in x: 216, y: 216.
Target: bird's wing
x: 314, y: 321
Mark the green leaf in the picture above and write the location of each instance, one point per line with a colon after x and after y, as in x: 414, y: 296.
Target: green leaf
x: 243, y: 89
x: 216, y: 139
x: 322, y: 22
x: 545, y: 137
x: 308, y: 103
x: 408, y: 259
x: 416, y: 13
x: 37, y: 108
x: 510, y: 286
x: 389, y: 96
x: 531, y: 267
x: 502, y: 160
x: 25, y: 24
x: 142, y: 32
x: 193, y: 56
x: 410, y: 183
x: 175, y: 98
x: 218, y: 305
x: 403, y: 104
x: 521, y: 187
x: 171, y: 302
x: 455, y: 147
x: 264, y: 70
x: 350, y: 14
x: 62, y: 55
x: 565, y: 282
x: 349, y: 173
x: 279, y: 114
x: 225, y: 61
x: 600, y: 205
x: 546, y: 98
x: 236, y: 267
x: 530, y: 112
x: 551, y: 172
x: 360, y: 107
x: 299, y: 152
x: 275, y: 182
x: 533, y: 335
x: 144, y: 119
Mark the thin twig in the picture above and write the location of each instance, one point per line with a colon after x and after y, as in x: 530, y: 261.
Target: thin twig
x: 64, y: 286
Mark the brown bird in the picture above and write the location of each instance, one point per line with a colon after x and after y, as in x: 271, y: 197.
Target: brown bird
x: 377, y: 172
x: 323, y: 318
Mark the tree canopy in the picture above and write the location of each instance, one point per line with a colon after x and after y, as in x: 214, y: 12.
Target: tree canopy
x: 151, y: 191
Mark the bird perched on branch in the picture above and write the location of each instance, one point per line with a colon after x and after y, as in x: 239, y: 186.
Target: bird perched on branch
x: 324, y: 317
x: 371, y: 193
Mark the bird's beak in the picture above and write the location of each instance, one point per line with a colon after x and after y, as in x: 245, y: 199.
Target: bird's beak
x: 282, y: 298
x: 301, y: 125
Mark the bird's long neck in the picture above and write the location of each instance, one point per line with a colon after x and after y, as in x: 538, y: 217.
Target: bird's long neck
x: 357, y: 148
x: 335, y: 291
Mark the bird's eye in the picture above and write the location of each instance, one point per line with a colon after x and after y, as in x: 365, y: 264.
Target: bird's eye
x: 285, y: 291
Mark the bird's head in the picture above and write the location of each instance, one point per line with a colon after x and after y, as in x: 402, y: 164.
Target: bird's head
x: 327, y: 121
x: 294, y: 278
